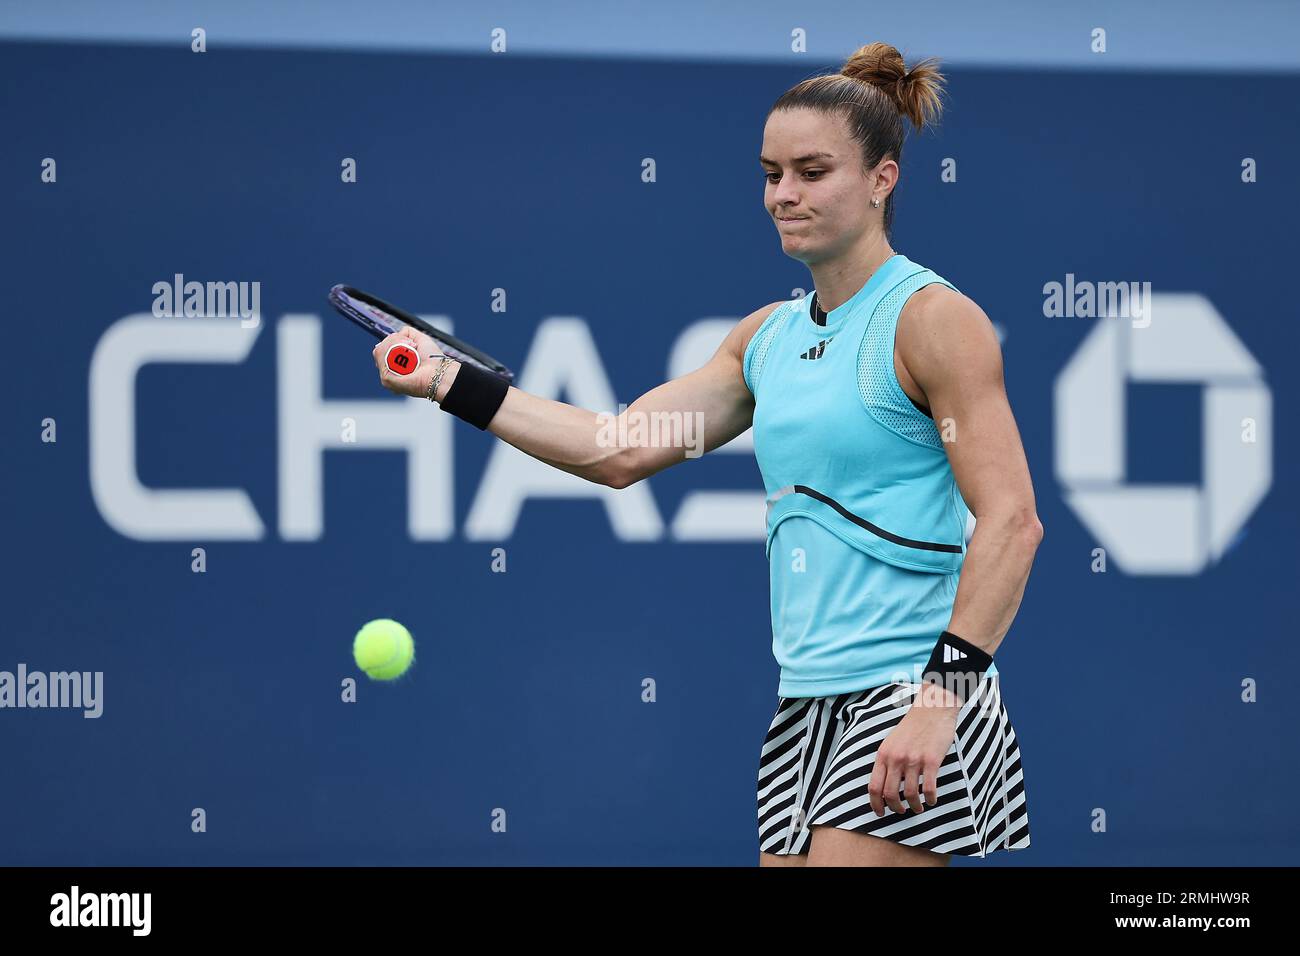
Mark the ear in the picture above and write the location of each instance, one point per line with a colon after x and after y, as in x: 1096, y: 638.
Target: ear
x: 886, y: 176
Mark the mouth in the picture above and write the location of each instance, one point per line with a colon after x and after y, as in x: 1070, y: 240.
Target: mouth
x: 791, y: 218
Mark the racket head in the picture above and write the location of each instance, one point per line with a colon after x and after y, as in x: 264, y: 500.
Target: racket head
x: 381, y: 319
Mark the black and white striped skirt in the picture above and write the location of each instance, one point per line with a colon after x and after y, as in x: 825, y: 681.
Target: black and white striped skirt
x: 817, y: 759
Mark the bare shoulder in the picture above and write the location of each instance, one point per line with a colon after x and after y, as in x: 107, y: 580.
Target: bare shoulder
x: 739, y: 338
x: 939, y: 325
x: 937, y: 308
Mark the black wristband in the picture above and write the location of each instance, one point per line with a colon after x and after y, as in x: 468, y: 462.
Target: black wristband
x: 956, y: 665
x: 475, y: 395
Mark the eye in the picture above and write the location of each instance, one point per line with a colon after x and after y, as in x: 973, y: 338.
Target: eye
x: 815, y: 173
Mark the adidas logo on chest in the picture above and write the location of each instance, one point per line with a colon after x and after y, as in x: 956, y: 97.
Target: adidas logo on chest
x: 817, y: 350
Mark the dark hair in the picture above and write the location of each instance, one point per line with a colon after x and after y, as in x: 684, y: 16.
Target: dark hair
x: 874, y: 92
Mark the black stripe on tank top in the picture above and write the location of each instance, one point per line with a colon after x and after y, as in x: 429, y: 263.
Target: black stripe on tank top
x: 880, y: 532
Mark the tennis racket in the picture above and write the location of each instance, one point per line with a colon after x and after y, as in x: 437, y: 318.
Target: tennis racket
x: 381, y: 319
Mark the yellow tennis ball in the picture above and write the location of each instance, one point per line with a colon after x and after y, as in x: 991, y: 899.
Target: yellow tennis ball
x: 383, y: 649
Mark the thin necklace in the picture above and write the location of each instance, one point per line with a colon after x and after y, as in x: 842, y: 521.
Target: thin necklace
x: 821, y: 316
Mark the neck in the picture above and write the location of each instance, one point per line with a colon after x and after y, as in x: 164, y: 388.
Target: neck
x: 836, y: 280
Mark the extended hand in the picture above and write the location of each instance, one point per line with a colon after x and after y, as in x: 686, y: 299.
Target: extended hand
x: 913, y: 752
x: 417, y: 383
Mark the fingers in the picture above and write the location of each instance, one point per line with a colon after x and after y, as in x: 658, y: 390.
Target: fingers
x: 413, y: 337
x: 416, y: 383
x: 931, y: 771
x: 916, y: 777
x: 396, y: 338
x: 876, y: 785
x: 893, y: 780
x: 380, y: 352
x: 883, y: 788
x: 380, y: 355
x: 911, y: 781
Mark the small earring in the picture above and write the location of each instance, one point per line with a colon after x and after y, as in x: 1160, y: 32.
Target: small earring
x: 875, y: 203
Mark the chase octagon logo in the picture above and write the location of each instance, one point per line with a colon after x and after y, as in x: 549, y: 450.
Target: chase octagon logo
x: 1164, y: 529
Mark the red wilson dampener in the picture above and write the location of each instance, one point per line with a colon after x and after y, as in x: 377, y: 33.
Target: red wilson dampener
x: 402, y: 359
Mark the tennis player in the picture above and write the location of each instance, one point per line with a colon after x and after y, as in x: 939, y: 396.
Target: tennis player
x: 881, y: 425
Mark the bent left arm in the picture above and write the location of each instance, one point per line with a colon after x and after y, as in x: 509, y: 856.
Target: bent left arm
x: 948, y: 347
x: 948, y: 350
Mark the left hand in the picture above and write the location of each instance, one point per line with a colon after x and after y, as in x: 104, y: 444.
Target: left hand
x: 417, y: 383
x: 913, y: 750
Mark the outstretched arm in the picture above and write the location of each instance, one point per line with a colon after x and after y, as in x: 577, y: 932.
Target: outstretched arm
x: 570, y: 438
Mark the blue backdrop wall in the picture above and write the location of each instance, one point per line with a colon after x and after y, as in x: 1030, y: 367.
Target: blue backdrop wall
x: 222, y: 689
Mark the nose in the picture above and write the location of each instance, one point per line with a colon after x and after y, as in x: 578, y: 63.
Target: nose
x: 786, y: 193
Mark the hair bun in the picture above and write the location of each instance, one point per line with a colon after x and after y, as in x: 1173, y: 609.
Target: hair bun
x: 916, y: 92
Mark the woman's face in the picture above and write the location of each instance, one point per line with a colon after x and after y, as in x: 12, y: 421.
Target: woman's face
x: 816, y: 191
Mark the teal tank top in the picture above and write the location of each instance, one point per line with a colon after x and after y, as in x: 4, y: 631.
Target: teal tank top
x: 866, y: 529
